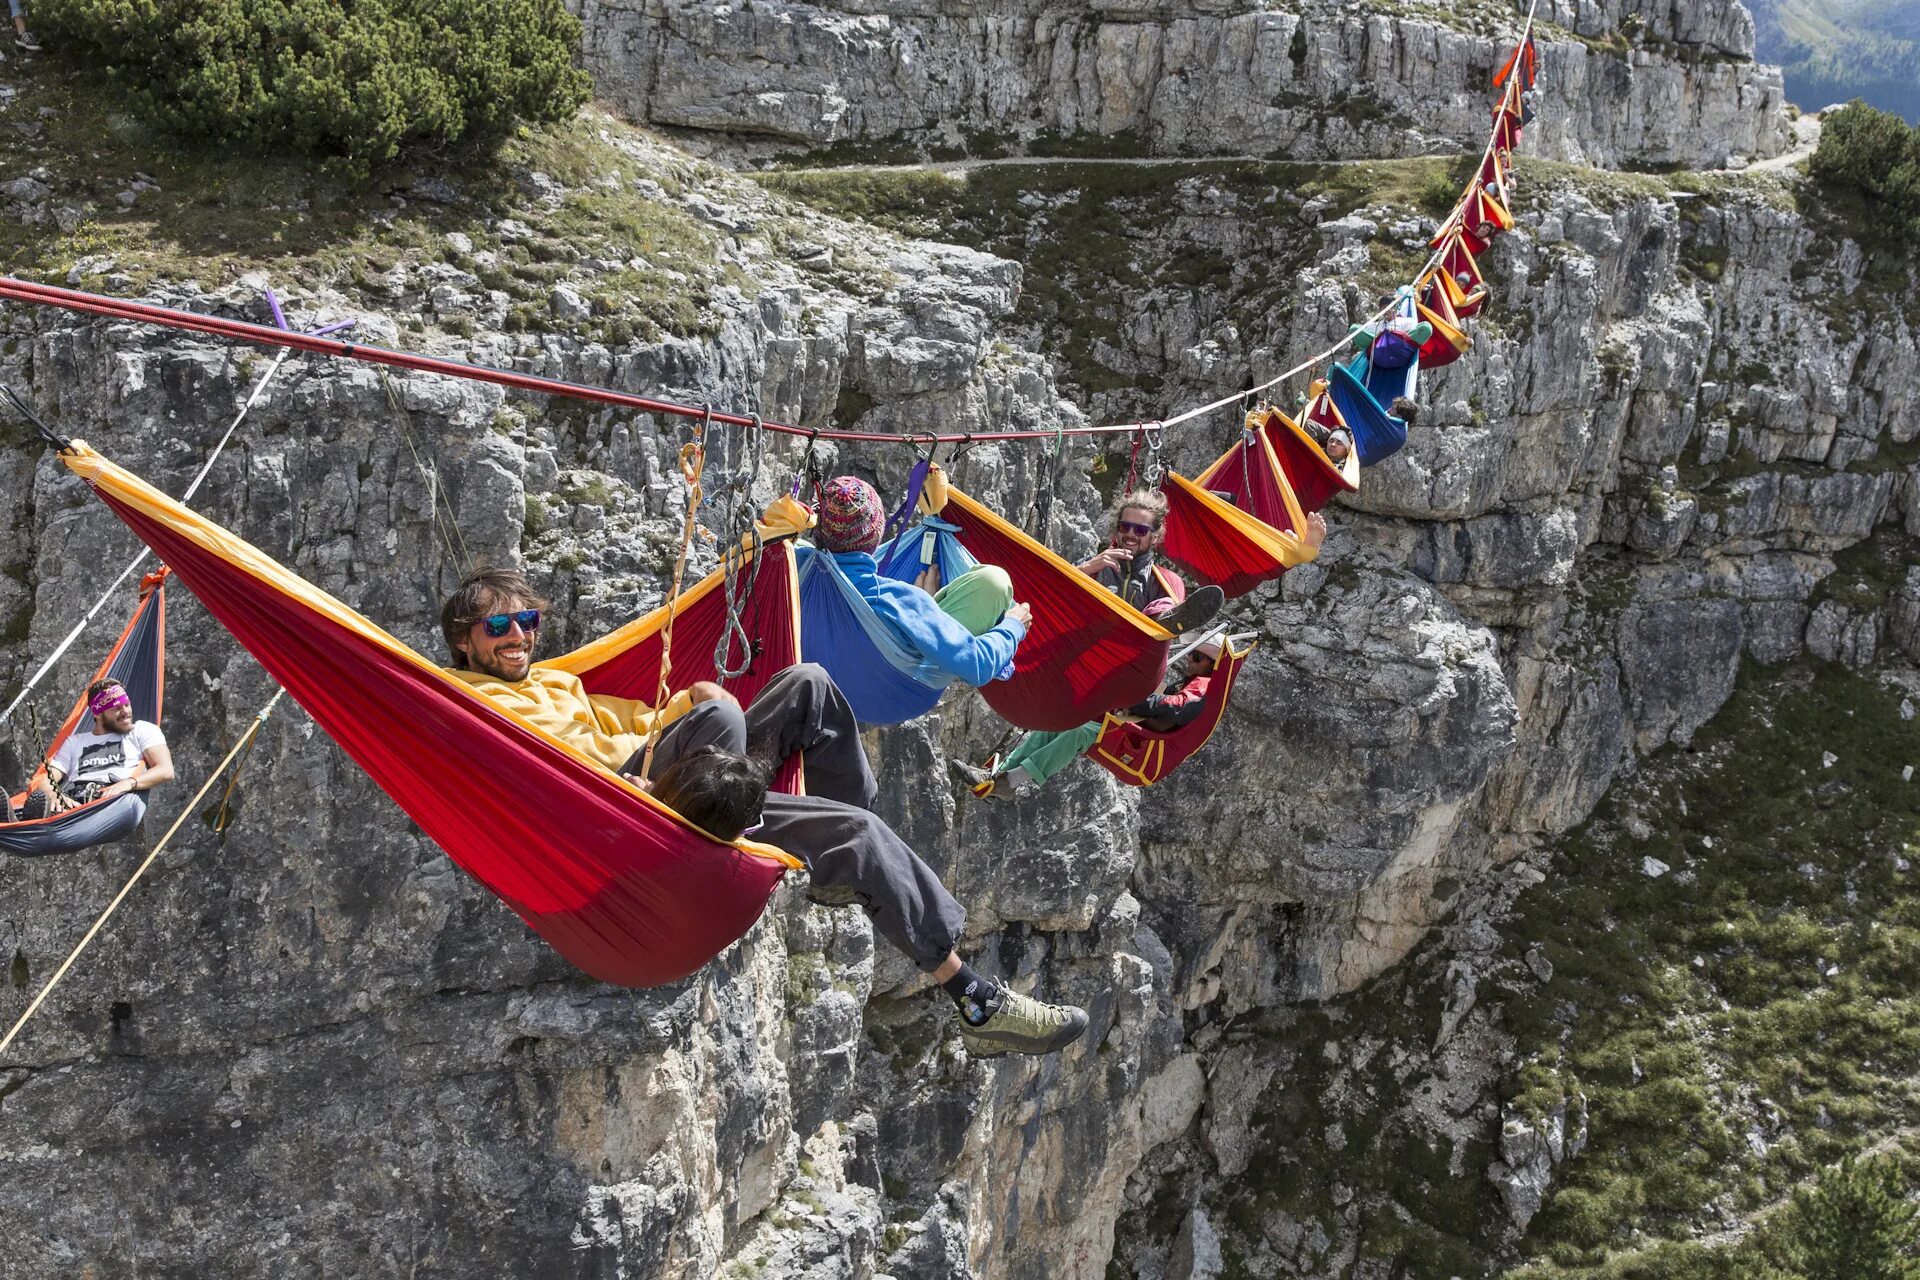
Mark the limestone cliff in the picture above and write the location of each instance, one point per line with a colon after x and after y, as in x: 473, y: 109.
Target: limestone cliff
x: 1682, y: 444
x: 1638, y: 84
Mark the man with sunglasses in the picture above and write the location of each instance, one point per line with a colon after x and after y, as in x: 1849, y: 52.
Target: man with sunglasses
x: 491, y: 624
x: 120, y: 756
x: 1128, y: 568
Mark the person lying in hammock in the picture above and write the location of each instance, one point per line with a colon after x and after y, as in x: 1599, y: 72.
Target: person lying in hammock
x: 121, y: 755
x: 1128, y: 567
x: 967, y: 628
x: 1335, y: 442
x: 491, y: 624
x: 1041, y: 755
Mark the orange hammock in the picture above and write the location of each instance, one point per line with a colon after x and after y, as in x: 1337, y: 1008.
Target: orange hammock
x: 1140, y: 756
x: 616, y: 882
x: 1086, y: 651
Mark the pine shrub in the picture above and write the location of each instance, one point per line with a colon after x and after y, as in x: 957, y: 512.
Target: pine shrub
x: 349, y: 81
x: 1854, y: 1223
x: 1875, y: 153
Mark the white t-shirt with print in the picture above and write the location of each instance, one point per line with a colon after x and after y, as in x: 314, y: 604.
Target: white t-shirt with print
x: 106, y: 757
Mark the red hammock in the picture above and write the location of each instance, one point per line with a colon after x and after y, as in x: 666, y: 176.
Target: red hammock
x: 1315, y: 477
x: 1086, y: 652
x: 1480, y: 219
x: 1467, y: 295
x: 617, y: 883
x: 1450, y: 340
x: 1252, y: 537
x: 1229, y: 545
x: 1140, y: 756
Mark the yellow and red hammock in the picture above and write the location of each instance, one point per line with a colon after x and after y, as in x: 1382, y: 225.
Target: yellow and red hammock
x: 1460, y: 275
x: 615, y: 882
x: 1449, y: 340
x: 1140, y: 756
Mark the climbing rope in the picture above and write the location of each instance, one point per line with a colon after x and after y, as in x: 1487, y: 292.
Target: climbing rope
x: 693, y: 461
x: 238, y: 747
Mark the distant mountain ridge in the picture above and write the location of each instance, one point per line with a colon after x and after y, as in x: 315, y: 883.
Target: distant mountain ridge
x: 1838, y: 50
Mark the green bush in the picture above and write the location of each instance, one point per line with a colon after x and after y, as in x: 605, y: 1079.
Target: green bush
x: 349, y: 80
x: 1855, y: 1223
x: 1874, y: 153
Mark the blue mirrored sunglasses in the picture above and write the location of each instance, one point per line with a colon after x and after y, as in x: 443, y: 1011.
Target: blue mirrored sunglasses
x: 498, y: 624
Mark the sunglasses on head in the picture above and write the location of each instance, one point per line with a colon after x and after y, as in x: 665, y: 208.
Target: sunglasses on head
x: 498, y: 624
x: 1134, y: 528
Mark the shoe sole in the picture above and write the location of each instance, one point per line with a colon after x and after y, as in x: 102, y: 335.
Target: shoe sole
x: 1180, y: 619
x: 1036, y: 1052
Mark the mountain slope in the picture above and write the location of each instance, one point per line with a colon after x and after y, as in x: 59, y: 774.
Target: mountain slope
x: 1835, y: 52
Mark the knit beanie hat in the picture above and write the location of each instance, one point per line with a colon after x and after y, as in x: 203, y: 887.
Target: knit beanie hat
x: 851, y: 517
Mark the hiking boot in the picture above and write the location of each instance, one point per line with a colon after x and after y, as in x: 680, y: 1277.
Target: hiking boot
x: 1023, y: 1025
x: 1196, y: 610
x: 24, y: 41
x: 38, y: 804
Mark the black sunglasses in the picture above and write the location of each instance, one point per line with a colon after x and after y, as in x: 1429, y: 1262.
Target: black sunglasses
x: 498, y: 624
x: 1137, y: 530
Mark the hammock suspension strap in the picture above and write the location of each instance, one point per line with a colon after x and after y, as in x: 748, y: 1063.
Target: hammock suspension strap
x: 735, y: 508
x: 693, y: 460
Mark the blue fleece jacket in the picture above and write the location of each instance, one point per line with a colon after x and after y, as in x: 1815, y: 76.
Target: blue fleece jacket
x: 920, y: 625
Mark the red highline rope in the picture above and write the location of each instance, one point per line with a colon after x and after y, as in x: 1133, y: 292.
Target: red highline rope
x: 243, y: 331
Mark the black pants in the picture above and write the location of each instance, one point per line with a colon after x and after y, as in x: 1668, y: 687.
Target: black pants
x: 852, y: 856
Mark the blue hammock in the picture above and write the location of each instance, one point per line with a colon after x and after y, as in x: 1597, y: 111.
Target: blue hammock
x: 886, y: 680
x: 1391, y: 365
x: 1377, y: 434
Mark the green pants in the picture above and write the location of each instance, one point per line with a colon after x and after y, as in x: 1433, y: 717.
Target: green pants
x: 978, y: 598
x: 1044, y: 754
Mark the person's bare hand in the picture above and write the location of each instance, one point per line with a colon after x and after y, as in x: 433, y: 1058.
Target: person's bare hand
x: 1021, y: 612
x: 708, y: 691
x: 1316, y: 529
x: 645, y: 784
x: 1111, y: 558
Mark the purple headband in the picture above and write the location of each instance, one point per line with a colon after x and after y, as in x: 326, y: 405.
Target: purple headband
x: 107, y: 699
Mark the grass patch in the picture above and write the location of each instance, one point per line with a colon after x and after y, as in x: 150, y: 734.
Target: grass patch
x: 1751, y: 1014
x: 1097, y: 239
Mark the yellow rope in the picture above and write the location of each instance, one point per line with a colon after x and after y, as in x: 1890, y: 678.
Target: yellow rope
x: 207, y: 786
x: 693, y: 460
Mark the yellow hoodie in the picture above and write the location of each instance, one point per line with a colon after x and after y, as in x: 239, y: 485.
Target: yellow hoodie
x: 605, y: 729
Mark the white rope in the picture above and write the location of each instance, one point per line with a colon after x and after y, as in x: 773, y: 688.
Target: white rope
x: 60, y: 649
x: 1433, y: 260
x: 40, y: 999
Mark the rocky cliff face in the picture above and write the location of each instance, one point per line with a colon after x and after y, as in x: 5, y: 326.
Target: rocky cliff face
x: 1682, y: 443
x: 1642, y: 85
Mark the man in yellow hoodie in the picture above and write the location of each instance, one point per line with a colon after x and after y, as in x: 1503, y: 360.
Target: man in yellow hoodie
x: 491, y: 624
